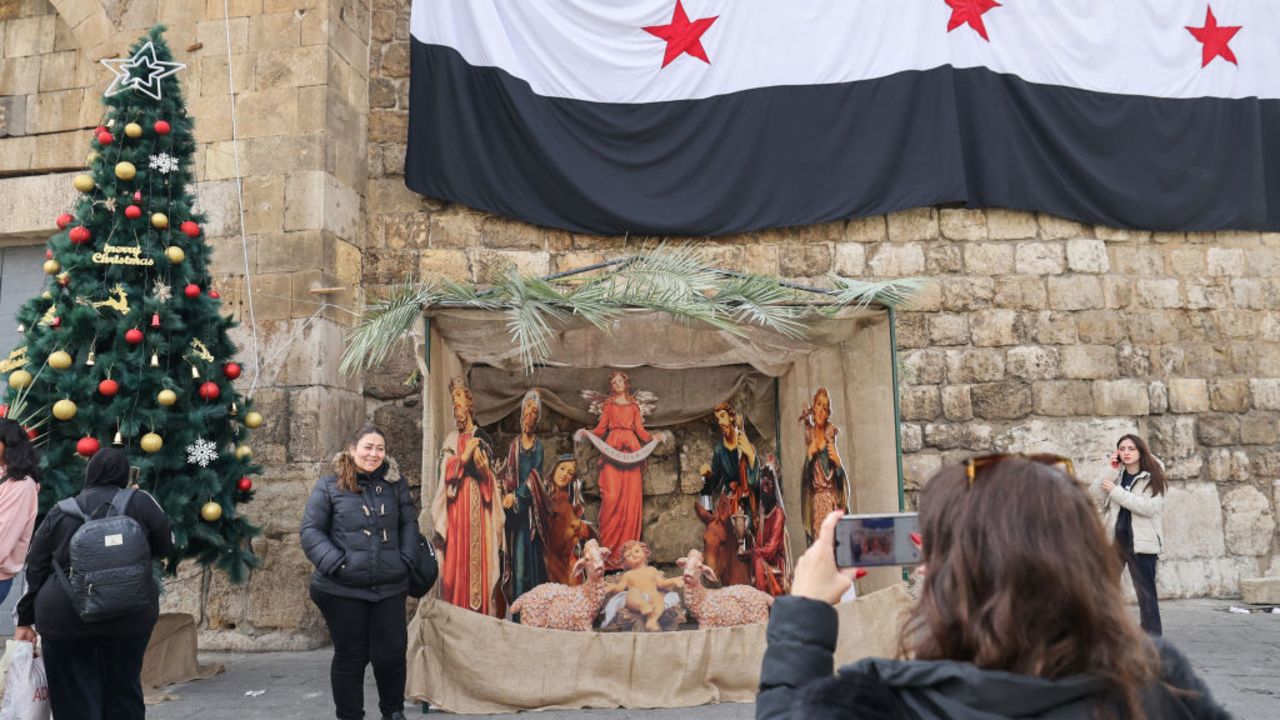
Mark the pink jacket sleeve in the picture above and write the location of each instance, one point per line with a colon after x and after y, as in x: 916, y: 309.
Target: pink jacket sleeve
x: 18, y: 504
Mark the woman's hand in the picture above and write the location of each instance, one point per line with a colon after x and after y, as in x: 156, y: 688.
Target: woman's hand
x: 1108, y: 485
x: 817, y: 576
x: 25, y: 633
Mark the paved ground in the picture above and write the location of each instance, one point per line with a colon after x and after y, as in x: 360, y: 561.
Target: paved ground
x: 1238, y: 655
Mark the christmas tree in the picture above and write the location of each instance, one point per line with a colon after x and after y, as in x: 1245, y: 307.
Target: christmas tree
x: 128, y: 345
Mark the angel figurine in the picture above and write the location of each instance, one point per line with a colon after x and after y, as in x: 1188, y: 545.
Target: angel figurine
x: 624, y: 446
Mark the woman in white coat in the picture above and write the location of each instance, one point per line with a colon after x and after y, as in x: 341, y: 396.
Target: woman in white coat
x: 1131, y: 501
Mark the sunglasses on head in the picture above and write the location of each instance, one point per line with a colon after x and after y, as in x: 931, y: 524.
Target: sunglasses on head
x: 975, y: 465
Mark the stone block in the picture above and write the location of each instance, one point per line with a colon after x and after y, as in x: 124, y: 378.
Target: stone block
x: 274, y: 599
x: 1159, y: 394
x: 1266, y: 393
x: 806, y: 260
x: 1254, y: 294
x: 1228, y: 262
x: 671, y: 527
x: 971, y: 437
x: 280, y: 496
x: 968, y: 293
x: 17, y: 154
x: 1056, y: 228
x: 1259, y: 429
x: 988, y: 328
x: 1218, y: 429
x: 957, y: 403
x: 920, y: 403
x: 1172, y: 438
x: 868, y: 229
x: 1039, y: 258
x: 1022, y: 293
x: 895, y: 260
x: 1202, y: 577
x: 912, y: 438
x: 913, y: 330
x: 1261, y: 591
x: 184, y: 592
x: 929, y: 298
x: 319, y: 417
x: 1075, y: 292
x: 1087, y: 256
x: 1007, y: 400
x: 924, y: 367
x: 292, y: 67
x: 963, y: 224
x: 942, y: 258
x: 1195, y: 510
x: 1087, y: 442
x: 918, y: 468
x: 1121, y: 397
x: 1101, y: 327
x: 1188, y: 395
x: 913, y: 226
x: 850, y: 259
x: 1117, y: 291
x: 1159, y: 294
x: 1010, y: 224
x: 1088, y: 362
x: 1032, y: 362
x: 1053, y: 328
x: 28, y: 205
x: 32, y: 35
x: 988, y: 258
x: 1250, y: 521
x: 19, y: 75
x: 1229, y: 395
x: 948, y: 329
x: 1187, y: 261
x: 974, y: 366
x: 1137, y: 260
x: 1064, y: 398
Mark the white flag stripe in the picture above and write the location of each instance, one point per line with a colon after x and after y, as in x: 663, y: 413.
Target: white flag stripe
x: 599, y: 51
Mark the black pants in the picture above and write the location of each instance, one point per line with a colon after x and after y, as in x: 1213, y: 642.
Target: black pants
x: 95, y: 678
x: 1142, y: 571
x: 365, y: 632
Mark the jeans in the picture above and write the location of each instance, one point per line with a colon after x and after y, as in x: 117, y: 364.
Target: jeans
x: 95, y: 678
x: 365, y: 632
x: 1142, y: 570
x: 5, y: 587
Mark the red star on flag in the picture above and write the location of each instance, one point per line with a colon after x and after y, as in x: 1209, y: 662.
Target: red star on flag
x: 682, y: 36
x: 969, y: 12
x: 1214, y: 38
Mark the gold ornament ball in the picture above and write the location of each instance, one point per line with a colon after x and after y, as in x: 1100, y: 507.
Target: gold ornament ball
x: 20, y: 379
x: 46, y: 295
x: 151, y: 443
x: 175, y: 254
x: 167, y: 397
x: 60, y: 360
x: 159, y: 221
x: 52, y: 267
x: 211, y: 511
x: 133, y: 130
x: 83, y: 183
x: 64, y: 409
x: 253, y: 420
x: 91, y: 158
x: 126, y: 170
x: 244, y: 452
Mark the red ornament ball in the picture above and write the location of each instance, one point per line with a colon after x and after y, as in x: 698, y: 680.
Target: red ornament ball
x: 100, y: 129
x: 209, y: 390
x: 56, y: 322
x: 231, y: 370
x: 64, y: 220
x: 87, y: 446
x: 32, y: 433
x: 104, y: 138
x: 162, y: 127
x: 137, y: 196
x: 214, y: 294
x: 108, y: 387
x: 192, y: 291
x: 133, y: 336
x: 80, y: 235
x: 4, y: 410
x: 190, y: 229
x: 244, y: 485
x: 133, y: 212
x: 48, y: 254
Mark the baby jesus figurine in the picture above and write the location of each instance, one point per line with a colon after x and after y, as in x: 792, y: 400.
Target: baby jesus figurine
x: 645, y: 587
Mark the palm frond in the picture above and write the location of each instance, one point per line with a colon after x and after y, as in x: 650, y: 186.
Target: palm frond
x: 858, y: 294
x: 384, y: 322
x: 761, y: 300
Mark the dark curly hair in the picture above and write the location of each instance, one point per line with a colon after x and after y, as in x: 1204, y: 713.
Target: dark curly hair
x: 20, y: 458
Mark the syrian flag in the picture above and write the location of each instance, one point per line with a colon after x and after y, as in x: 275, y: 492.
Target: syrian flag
x: 700, y: 117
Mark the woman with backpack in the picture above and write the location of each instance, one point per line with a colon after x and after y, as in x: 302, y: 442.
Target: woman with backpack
x: 19, y: 500
x: 94, y: 667
x: 360, y: 530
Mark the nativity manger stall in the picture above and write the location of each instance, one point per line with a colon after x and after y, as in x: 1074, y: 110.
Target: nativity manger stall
x: 617, y: 502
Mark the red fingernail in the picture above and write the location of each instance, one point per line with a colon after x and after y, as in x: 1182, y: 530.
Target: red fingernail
x: 915, y: 538
x: 859, y: 573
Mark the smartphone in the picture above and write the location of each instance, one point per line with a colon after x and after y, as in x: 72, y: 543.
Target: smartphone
x: 877, y: 540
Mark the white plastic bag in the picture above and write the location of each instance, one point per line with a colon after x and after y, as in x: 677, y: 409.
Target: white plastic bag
x: 9, y: 646
x: 26, y: 693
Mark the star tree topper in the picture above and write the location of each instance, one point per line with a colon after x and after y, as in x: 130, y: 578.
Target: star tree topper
x: 142, y: 72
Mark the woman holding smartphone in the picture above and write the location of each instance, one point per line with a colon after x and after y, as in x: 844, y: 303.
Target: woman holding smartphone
x: 1131, y: 499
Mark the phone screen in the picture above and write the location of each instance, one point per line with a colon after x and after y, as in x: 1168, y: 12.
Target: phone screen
x: 877, y: 540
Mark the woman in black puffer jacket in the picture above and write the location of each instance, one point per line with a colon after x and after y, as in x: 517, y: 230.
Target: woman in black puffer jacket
x: 359, y: 528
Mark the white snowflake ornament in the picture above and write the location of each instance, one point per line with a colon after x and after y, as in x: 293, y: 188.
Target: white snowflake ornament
x: 164, y: 163
x: 202, y: 452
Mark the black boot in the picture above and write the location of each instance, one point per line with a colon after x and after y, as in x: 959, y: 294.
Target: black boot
x: 397, y: 715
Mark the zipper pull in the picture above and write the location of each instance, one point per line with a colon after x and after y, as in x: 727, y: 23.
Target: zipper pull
x: 384, y: 535
x: 383, y: 510
x: 365, y: 508
x: 367, y: 533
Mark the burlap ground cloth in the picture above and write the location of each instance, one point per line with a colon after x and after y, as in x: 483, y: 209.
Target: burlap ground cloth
x: 171, y: 656
x: 467, y: 663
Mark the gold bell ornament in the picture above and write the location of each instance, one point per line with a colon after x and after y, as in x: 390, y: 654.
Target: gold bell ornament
x: 155, y: 360
x: 89, y: 361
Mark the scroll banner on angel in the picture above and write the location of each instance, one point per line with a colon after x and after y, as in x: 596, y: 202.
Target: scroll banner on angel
x: 624, y: 446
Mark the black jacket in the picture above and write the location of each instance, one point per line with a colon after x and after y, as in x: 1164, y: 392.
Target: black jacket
x: 796, y: 682
x: 359, y: 542
x: 45, y: 604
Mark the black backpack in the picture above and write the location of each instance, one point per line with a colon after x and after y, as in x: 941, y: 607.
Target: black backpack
x: 110, y: 573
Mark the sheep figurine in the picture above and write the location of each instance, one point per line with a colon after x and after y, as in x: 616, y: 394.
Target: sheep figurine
x: 562, y: 607
x: 725, y: 607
